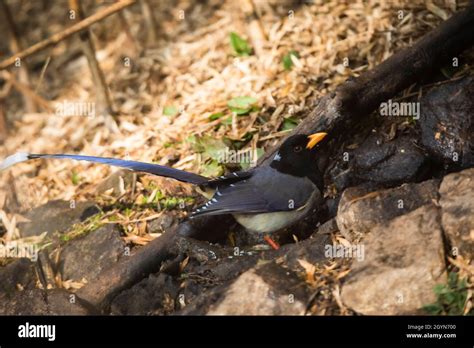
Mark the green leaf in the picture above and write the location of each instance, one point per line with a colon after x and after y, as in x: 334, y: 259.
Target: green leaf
x: 450, y: 297
x: 195, y: 143
x: 208, y: 146
x: 433, y: 309
x: 213, y: 148
x: 439, y: 289
x: 462, y: 284
x: 169, y: 202
x: 227, y: 121
x: 75, y: 178
x: 241, y: 102
x: 240, y: 112
x: 242, y: 105
x: 240, y: 46
x: 212, y: 169
x: 452, y: 279
x: 216, y: 116
x: 287, y: 62
x: 240, y: 144
x: 170, y: 111
x: 289, y: 123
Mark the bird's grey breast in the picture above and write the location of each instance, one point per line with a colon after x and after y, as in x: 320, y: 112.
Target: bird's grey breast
x: 282, y: 191
x: 289, y: 198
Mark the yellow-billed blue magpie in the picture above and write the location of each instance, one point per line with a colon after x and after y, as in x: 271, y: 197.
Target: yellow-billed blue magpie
x: 263, y: 199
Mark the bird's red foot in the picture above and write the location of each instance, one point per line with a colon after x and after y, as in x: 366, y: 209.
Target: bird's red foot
x: 271, y: 242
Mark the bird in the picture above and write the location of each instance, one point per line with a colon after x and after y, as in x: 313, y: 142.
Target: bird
x: 263, y: 199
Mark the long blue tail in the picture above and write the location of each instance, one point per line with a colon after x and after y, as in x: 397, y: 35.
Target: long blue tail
x: 150, y: 168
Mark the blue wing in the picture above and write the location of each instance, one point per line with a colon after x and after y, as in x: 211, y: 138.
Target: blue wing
x: 241, y: 197
x: 265, y: 191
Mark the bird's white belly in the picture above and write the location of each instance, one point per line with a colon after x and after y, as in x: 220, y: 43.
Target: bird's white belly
x: 271, y: 222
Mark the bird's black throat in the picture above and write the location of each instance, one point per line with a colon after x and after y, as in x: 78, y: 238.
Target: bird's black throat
x: 307, y: 168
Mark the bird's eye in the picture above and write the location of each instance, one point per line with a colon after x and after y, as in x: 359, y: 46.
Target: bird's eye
x: 297, y: 148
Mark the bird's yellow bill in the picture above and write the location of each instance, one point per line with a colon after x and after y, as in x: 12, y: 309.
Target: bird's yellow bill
x: 314, y: 139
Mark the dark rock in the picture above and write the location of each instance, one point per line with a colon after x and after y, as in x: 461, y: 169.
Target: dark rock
x: 19, y: 295
x: 154, y: 295
x: 223, y: 286
x: 265, y: 290
x: 17, y: 275
x: 201, y: 280
x: 360, y: 209
x: 56, y: 216
x: 341, y: 176
x: 244, y: 237
x: 229, y: 268
x: 331, y: 205
x: 201, y: 251
x: 328, y: 227
x: 161, y: 224
x: 404, y: 260
x: 118, y: 181
x: 28, y: 302
x: 389, y: 163
x: 457, y: 207
x: 86, y: 257
x: 41, y: 302
x: 61, y: 302
x: 447, y: 122
x: 310, y: 250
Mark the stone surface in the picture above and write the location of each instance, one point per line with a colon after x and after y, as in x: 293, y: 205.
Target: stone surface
x: 41, y: 302
x: 447, y: 122
x: 56, y: 216
x: 328, y: 227
x: 20, y: 296
x: 404, y: 260
x: 17, y: 275
x: 28, y: 302
x: 119, y: 181
x: 62, y: 302
x: 155, y: 295
x: 215, y: 285
x: 389, y: 163
x: 86, y: 257
x: 457, y: 206
x: 266, y: 290
x: 310, y: 250
x: 359, y: 209
x: 161, y: 223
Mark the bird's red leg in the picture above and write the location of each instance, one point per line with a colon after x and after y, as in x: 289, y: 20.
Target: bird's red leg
x: 271, y: 242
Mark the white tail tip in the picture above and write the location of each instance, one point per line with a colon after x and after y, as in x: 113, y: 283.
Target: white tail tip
x: 13, y: 159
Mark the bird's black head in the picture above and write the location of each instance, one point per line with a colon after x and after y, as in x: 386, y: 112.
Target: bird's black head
x: 296, y: 156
